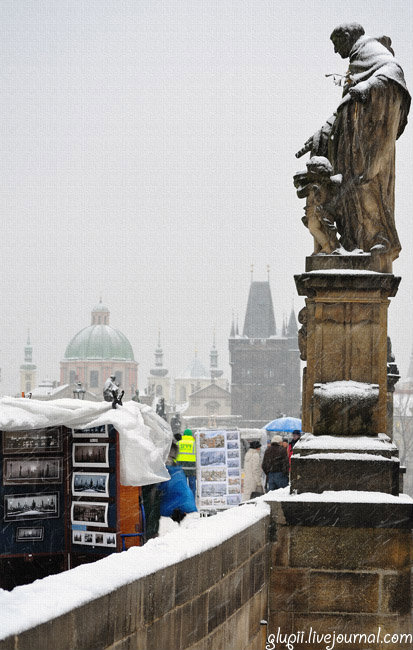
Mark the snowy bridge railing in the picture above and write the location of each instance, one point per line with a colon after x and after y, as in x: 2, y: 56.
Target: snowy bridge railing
x: 204, y: 582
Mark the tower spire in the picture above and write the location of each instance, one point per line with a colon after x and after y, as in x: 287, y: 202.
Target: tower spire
x: 232, y: 332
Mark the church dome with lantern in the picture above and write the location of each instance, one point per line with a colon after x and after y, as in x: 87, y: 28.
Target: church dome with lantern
x: 98, y: 351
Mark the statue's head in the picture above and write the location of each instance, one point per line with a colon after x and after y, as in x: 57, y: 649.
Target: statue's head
x: 318, y: 167
x: 344, y: 36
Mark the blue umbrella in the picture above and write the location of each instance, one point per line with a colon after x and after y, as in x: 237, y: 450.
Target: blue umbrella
x: 284, y: 424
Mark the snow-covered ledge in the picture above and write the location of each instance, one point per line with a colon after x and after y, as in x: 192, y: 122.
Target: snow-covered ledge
x: 232, y: 540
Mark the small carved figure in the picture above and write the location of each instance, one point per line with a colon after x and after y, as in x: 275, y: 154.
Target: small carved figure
x: 320, y: 188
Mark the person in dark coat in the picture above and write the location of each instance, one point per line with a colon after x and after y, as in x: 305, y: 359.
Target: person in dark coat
x: 275, y: 464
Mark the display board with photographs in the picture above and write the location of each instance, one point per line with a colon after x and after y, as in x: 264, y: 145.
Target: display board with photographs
x: 93, y: 489
x: 218, y: 469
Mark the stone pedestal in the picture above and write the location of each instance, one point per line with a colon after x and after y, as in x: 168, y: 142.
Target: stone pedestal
x: 343, y: 551
x: 345, y: 339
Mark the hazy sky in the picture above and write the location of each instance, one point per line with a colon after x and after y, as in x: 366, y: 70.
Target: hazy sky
x: 147, y: 155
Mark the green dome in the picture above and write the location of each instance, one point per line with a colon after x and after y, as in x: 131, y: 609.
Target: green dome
x: 99, y: 342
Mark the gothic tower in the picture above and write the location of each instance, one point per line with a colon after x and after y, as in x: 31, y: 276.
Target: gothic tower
x: 265, y: 378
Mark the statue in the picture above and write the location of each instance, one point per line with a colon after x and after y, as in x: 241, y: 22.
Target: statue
x: 359, y: 140
x: 320, y: 188
x: 112, y: 392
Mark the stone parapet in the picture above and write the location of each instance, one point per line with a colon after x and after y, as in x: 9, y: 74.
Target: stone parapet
x: 215, y: 599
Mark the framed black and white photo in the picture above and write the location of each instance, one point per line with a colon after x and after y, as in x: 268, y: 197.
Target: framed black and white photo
x: 90, y: 513
x: 90, y: 454
x: 34, y: 534
x: 32, y: 470
x: 35, y: 441
x: 31, y: 506
x: 100, y: 431
x: 90, y: 484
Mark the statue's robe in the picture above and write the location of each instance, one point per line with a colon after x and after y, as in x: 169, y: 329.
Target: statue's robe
x: 361, y: 148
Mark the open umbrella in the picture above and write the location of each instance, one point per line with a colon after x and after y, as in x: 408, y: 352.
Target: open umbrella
x: 284, y: 424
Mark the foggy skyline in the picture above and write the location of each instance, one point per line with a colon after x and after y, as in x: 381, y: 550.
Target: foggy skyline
x: 147, y: 156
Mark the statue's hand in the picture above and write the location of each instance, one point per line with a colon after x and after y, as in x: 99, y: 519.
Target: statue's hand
x: 360, y: 93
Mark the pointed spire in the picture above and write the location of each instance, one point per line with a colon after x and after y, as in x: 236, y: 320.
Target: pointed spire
x: 252, y: 273
x: 232, y: 332
x: 259, y: 318
x: 236, y: 328
x: 159, y: 352
x: 213, y: 355
x: 28, y: 350
x: 159, y: 370
x: 284, y: 328
x: 292, y: 328
x: 268, y: 272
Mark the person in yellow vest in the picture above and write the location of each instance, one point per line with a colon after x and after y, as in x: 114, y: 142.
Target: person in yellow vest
x: 187, y: 458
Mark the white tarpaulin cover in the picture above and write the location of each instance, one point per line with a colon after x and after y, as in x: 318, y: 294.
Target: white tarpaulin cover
x: 144, y: 437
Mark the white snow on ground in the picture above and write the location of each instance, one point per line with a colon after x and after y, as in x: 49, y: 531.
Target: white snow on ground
x: 31, y: 605
x: 144, y: 437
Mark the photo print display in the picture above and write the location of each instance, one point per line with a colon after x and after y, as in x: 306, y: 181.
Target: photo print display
x: 219, y: 474
x: 100, y: 431
x: 90, y: 513
x: 89, y: 454
x: 36, y: 441
x: 32, y: 470
x: 213, y: 489
x: 90, y: 484
x: 94, y: 539
x: 211, y: 440
x: 31, y: 506
x: 30, y: 534
x: 212, y: 457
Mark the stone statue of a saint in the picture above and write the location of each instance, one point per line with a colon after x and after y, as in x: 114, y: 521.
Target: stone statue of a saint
x: 359, y: 140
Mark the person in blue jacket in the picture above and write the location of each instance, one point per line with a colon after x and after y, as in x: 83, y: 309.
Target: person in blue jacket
x: 177, y: 499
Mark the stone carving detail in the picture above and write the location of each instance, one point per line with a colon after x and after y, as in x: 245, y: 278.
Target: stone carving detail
x: 302, y: 333
x: 359, y: 140
x: 320, y: 188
